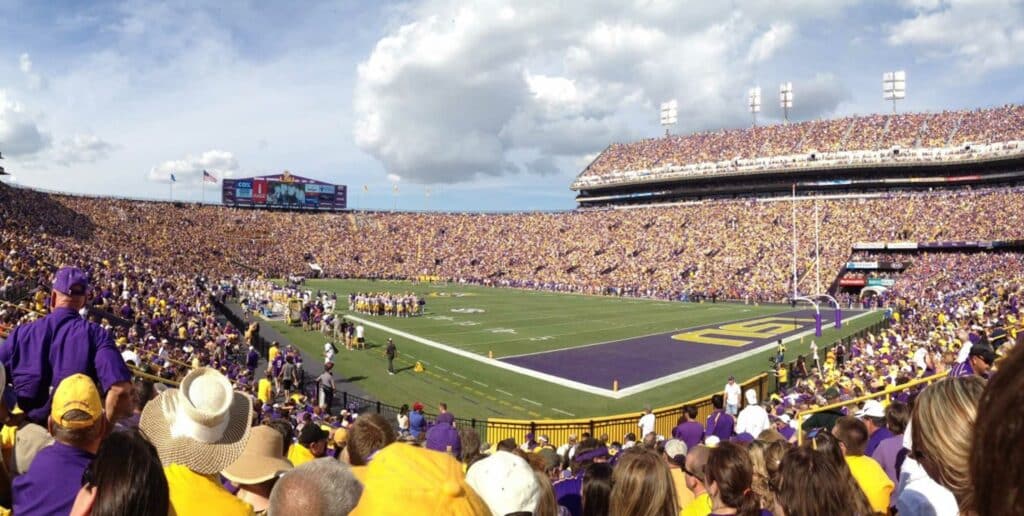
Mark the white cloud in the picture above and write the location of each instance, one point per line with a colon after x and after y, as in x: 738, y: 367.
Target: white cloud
x: 35, y: 81
x: 20, y: 136
x: 394, y: 178
x: 82, y: 148
x: 977, y: 35
x: 765, y: 45
x: 466, y: 90
x: 189, y: 170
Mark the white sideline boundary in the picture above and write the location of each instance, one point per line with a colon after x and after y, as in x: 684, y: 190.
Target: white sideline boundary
x: 579, y: 386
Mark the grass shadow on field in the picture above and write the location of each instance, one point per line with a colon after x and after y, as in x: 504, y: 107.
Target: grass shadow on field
x: 353, y: 379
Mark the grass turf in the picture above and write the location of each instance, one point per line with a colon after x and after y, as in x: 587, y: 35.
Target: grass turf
x: 541, y: 321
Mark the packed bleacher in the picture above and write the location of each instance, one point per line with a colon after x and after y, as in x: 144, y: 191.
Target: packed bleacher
x: 121, y: 289
x: 855, y: 140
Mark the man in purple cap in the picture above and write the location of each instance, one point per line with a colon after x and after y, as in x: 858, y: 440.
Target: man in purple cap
x: 38, y: 355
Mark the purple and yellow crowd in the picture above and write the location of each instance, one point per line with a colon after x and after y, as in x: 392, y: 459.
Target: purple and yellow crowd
x: 921, y: 137
x: 125, y: 391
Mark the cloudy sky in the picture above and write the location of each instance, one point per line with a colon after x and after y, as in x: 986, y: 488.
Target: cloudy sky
x: 488, y: 105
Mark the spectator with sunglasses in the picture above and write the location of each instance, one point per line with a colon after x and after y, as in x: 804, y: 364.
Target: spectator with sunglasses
x: 126, y: 477
x: 693, y: 467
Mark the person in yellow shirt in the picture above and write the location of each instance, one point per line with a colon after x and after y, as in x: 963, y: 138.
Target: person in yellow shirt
x: 207, y: 437
x: 852, y: 435
x: 273, y: 352
x: 693, y: 468
x: 675, y: 457
x: 312, y: 445
x: 263, y: 390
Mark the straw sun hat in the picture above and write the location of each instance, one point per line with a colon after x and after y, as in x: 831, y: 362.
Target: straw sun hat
x: 262, y: 459
x: 203, y: 424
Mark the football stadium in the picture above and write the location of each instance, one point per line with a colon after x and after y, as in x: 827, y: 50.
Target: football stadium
x: 816, y: 315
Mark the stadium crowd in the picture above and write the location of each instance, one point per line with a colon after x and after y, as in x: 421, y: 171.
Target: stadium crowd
x: 844, y: 140
x: 107, y: 289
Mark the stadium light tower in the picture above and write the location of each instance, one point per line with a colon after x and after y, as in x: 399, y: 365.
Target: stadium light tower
x: 669, y: 114
x: 754, y: 102
x: 894, y: 86
x: 786, y: 99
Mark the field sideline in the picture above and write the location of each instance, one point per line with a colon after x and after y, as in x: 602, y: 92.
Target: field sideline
x: 509, y: 323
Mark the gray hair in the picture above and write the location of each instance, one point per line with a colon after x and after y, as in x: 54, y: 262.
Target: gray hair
x: 319, y: 487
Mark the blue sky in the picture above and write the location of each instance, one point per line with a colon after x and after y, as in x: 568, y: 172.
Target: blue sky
x: 491, y: 105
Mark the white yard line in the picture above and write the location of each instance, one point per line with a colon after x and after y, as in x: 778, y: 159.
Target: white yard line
x: 532, y: 402
x: 459, y: 375
x: 480, y: 383
x: 570, y: 414
x: 608, y: 393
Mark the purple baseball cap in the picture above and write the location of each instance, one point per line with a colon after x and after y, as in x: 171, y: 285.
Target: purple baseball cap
x: 71, y: 281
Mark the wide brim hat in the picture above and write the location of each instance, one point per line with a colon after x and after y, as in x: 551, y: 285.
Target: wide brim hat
x: 203, y: 424
x: 262, y: 460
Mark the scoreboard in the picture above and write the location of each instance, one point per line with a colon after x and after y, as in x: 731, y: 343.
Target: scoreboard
x: 283, y: 190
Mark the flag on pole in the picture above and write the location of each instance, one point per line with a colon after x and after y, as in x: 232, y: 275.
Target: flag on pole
x: 394, y: 188
x: 366, y: 188
x: 173, y: 180
x: 208, y: 177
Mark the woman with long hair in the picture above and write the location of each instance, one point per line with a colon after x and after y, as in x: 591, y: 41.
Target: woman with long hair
x: 764, y: 459
x: 124, y: 479
x: 997, y: 458
x: 827, y: 445
x: 942, y: 429
x: 811, y: 483
x: 729, y: 476
x: 642, y: 485
x: 597, y: 489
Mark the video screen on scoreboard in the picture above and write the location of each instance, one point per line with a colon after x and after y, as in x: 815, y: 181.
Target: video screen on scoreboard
x: 275, y: 193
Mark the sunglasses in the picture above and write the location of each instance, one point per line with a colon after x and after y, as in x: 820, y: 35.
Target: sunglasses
x: 692, y: 474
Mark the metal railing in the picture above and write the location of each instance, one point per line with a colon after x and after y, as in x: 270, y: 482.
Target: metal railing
x: 803, y: 415
x: 616, y: 426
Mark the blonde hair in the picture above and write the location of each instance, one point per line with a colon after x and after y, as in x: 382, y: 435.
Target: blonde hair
x: 765, y: 458
x: 642, y: 486
x: 942, y: 431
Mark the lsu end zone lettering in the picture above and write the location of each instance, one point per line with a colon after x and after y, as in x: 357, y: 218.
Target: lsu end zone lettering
x: 743, y: 333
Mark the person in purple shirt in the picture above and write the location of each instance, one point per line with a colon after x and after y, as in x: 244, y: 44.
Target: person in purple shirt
x: 689, y: 430
x: 873, y: 416
x: 719, y: 423
x: 569, y: 491
x: 78, y: 426
x: 890, y: 452
x: 978, y: 362
x: 252, y: 359
x: 38, y: 355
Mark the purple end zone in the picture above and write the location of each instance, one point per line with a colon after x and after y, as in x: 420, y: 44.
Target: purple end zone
x: 637, y: 360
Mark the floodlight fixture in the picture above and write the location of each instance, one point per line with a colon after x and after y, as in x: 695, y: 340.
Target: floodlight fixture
x: 786, y: 98
x: 754, y: 102
x: 669, y: 114
x: 894, y: 86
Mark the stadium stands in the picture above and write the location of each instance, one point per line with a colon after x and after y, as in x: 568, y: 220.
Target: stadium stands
x: 922, y: 138
x: 159, y: 270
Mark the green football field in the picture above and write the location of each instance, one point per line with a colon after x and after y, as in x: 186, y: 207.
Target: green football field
x: 510, y: 322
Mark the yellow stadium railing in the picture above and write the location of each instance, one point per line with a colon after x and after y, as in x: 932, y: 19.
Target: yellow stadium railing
x: 146, y: 376
x: 617, y: 426
x: 803, y: 415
